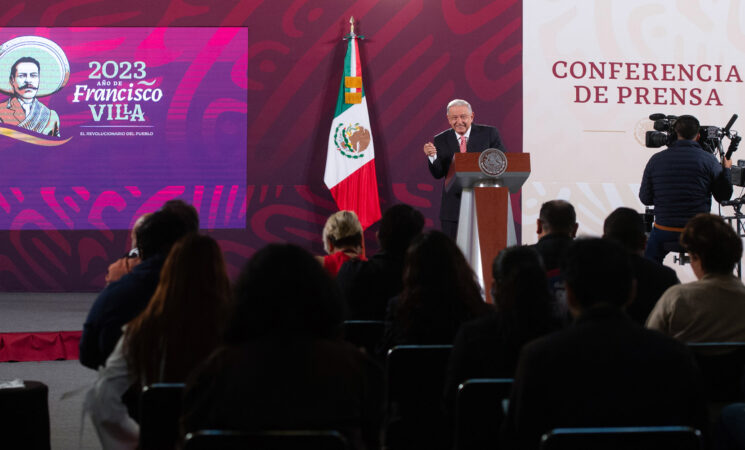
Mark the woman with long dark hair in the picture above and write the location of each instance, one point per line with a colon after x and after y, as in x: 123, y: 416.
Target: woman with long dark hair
x: 179, y: 328
x: 489, y: 347
x: 283, y: 365
x: 440, y: 292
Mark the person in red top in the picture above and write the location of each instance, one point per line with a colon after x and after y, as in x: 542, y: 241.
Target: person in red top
x: 342, y: 240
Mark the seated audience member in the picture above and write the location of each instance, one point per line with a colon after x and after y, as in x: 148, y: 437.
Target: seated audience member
x: 342, y: 240
x: 123, y: 300
x: 604, y: 370
x: 283, y: 366
x: 176, y: 332
x: 440, y: 292
x: 125, y: 264
x: 368, y: 285
x: 711, y: 309
x: 489, y: 347
x: 556, y: 227
x: 626, y: 227
x: 187, y: 212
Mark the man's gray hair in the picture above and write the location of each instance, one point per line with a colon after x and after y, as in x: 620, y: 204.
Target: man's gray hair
x: 458, y: 102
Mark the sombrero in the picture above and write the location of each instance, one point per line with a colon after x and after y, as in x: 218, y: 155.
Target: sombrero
x: 55, y: 69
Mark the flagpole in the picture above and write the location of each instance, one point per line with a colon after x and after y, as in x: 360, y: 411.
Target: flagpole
x: 350, y: 158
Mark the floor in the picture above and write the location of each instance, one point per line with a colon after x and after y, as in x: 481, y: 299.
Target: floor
x: 67, y: 380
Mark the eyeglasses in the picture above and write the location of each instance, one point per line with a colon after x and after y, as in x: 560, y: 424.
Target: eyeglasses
x: 462, y: 117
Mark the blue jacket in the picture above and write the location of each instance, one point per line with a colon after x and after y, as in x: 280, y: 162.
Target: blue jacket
x: 120, y: 302
x: 680, y: 180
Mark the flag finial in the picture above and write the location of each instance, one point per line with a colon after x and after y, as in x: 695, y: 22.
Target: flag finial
x: 351, y: 34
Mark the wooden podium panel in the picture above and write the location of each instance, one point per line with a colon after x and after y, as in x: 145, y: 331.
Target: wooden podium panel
x: 486, y: 224
x: 491, y: 204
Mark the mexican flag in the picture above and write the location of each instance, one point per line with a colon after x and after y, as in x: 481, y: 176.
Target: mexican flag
x: 350, y: 159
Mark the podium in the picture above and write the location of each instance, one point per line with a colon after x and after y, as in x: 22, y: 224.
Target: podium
x: 486, y: 224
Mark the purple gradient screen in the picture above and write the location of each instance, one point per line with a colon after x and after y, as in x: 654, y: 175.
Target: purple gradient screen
x: 125, y: 157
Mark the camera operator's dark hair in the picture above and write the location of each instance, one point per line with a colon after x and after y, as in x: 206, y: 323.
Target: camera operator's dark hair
x: 713, y: 241
x: 625, y: 226
x: 598, y: 271
x: 558, y: 216
x: 687, y: 127
x: 399, y: 225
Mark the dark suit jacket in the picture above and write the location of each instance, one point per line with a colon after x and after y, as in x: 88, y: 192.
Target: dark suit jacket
x: 481, y: 138
x: 652, y: 280
x: 119, y: 302
x: 604, y: 370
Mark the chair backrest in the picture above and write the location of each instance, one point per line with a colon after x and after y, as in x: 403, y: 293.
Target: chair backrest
x: 364, y: 333
x: 265, y: 440
x: 722, y: 366
x: 416, y: 378
x: 479, y: 412
x: 416, y: 382
x: 160, y: 409
x: 623, y: 438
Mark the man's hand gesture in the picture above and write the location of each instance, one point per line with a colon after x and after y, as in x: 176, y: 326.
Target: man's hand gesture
x: 429, y: 149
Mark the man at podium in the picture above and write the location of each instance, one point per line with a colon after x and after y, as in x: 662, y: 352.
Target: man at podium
x: 463, y: 136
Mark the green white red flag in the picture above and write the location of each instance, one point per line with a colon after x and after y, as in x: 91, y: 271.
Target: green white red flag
x: 350, y: 159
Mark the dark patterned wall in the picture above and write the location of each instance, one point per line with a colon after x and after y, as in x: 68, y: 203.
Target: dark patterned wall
x: 418, y: 55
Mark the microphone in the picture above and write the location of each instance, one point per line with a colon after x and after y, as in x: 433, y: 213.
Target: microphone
x: 657, y: 116
x: 729, y: 124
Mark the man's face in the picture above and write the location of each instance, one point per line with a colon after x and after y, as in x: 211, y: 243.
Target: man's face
x: 460, y: 119
x: 25, y: 82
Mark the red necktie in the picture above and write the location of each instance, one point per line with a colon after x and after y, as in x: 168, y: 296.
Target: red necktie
x: 463, y: 140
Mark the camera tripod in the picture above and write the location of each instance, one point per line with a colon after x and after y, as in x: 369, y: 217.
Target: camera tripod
x: 737, y: 221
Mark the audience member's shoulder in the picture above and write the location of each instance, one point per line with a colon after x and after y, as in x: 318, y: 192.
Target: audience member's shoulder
x: 481, y: 325
x: 353, y: 268
x: 223, y: 359
x: 647, y: 266
x: 675, y: 294
x: 667, y: 346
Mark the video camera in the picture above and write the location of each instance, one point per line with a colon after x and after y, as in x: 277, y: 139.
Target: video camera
x: 710, y: 139
x: 664, y: 133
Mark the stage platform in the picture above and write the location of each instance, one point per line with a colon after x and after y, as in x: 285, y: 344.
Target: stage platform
x: 39, y: 315
x: 42, y: 326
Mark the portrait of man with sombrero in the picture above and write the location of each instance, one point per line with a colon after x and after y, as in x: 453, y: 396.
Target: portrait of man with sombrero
x: 35, y: 67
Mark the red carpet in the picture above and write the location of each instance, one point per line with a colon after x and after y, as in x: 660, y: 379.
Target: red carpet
x: 39, y: 346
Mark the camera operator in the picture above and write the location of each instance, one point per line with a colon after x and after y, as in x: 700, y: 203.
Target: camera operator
x: 679, y: 181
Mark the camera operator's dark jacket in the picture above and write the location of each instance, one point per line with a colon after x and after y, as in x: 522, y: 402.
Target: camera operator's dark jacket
x: 680, y: 180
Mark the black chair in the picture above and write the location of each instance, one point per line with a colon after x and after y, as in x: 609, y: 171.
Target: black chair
x: 480, y: 408
x: 416, y: 381
x: 631, y: 438
x: 364, y: 333
x: 160, y: 409
x: 265, y: 440
x: 722, y: 366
